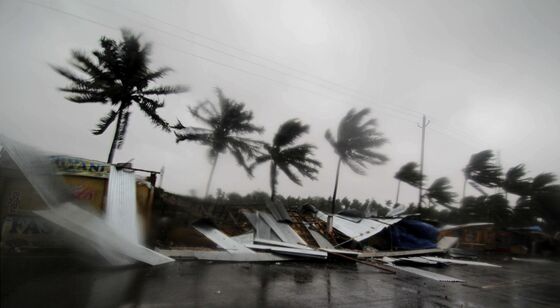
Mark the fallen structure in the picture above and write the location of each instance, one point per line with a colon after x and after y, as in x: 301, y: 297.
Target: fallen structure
x: 50, y: 199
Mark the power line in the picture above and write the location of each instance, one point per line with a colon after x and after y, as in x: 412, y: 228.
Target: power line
x: 345, y: 89
x: 400, y: 115
x: 408, y: 111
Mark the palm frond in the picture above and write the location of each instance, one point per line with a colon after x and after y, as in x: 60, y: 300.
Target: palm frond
x: 289, y: 132
x: 105, y: 122
x: 542, y: 181
x: 483, y: 169
x: 260, y: 160
x: 165, y: 90
x: 356, y: 140
x: 440, y: 192
x: 410, y: 174
x: 288, y: 172
x: 149, y: 107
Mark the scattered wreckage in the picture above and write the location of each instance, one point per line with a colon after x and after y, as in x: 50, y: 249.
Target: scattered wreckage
x: 265, y: 233
x: 276, y: 234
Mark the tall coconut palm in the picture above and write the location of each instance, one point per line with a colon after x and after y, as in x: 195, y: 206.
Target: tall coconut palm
x: 355, y: 144
x: 284, y: 155
x: 118, y: 74
x: 440, y: 193
x: 227, y: 123
x: 409, y: 174
x: 483, y: 170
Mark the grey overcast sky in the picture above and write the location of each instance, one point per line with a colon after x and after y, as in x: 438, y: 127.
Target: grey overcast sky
x: 485, y: 72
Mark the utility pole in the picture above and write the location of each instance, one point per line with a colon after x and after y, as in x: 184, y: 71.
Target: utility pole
x: 423, y: 127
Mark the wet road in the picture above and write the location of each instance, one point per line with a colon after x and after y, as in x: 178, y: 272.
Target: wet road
x: 56, y: 282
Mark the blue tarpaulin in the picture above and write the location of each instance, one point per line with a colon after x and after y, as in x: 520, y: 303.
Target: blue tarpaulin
x: 411, y: 234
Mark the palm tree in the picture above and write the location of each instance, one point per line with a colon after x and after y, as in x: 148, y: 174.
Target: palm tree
x: 118, y: 74
x: 409, y: 174
x: 227, y: 122
x: 516, y: 182
x: 440, y: 192
x: 283, y: 155
x: 355, y: 143
x: 483, y: 170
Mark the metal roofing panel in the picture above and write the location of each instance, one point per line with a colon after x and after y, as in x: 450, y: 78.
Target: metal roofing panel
x: 463, y: 262
x: 320, y: 239
x: 281, y: 244
x: 362, y: 230
x: 120, y: 211
x: 278, y: 211
x: 426, y: 274
x: 94, y: 229
x: 290, y: 251
x: 283, y: 230
x: 220, y: 238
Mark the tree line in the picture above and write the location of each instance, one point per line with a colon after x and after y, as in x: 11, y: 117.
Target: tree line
x: 119, y: 75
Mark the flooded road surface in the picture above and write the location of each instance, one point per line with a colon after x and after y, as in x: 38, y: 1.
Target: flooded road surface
x: 57, y: 282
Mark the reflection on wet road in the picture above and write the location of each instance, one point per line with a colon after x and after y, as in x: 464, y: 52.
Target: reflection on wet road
x: 55, y: 282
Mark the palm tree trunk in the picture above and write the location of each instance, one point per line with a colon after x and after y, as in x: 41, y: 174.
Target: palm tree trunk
x: 335, y: 186
x: 464, y: 190
x: 272, y: 181
x: 398, y: 191
x: 115, y: 138
x: 331, y: 217
x: 210, y: 177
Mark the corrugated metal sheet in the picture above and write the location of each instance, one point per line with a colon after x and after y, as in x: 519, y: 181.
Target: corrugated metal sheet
x: 94, y: 229
x: 463, y: 262
x: 320, y: 239
x: 214, y: 255
x: 362, y: 230
x: 262, y: 229
x: 120, y: 211
x: 290, y: 251
x: 426, y: 274
x: 420, y: 272
x: 281, y: 244
x: 283, y: 230
x: 221, y: 239
x: 278, y: 211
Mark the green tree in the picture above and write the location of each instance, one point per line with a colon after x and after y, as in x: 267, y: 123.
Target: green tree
x: 409, y: 174
x: 355, y: 144
x: 284, y: 155
x: 227, y: 123
x: 119, y: 75
x: 483, y: 170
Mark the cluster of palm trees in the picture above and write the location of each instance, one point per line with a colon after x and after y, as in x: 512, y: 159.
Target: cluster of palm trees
x: 538, y: 197
x: 440, y: 192
x: 118, y: 74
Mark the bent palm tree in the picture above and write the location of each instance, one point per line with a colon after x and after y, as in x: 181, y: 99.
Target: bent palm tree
x: 355, y: 143
x: 483, y: 170
x: 283, y: 155
x: 409, y: 174
x: 440, y: 192
x: 119, y: 75
x: 516, y: 182
x: 227, y: 123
